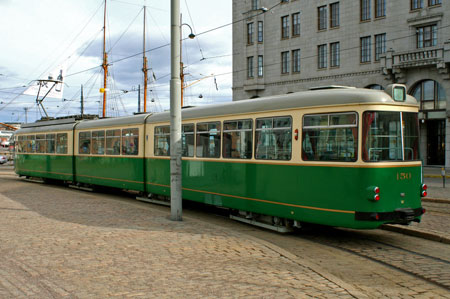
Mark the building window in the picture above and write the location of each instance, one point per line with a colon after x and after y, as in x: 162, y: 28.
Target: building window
x: 380, y: 8
x: 322, y: 55
x: 260, y: 66
x: 365, y: 10
x: 334, y: 17
x: 416, y: 4
x: 365, y: 49
x: 296, y: 61
x: 285, y: 62
x: 380, y: 45
x: 322, y: 17
x: 260, y: 32
x: 296, y: 24
x: 434, y: 2
x: 285, y: 27
x: 250, y: 33
x: 255, y: 4
x: 335, y: 49
x: 426, y: 36
x: 250, y: 67
x: 430, y: 94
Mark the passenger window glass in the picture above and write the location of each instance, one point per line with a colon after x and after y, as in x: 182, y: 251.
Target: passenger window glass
x: 31, y: 144
x: 237, y: 139
x: 61, y: 143
x: 50, y: 143
x: 162, y: 141
x: 20, y: 144
x: 208, y: 140
x: 113, y: 142
x: 84, y: 140
x: 330, y: 137
x: 130, y: 142
x: 273, y: 138
x: 98, y: 142
x: 187, y: 140
x: 40, y: 144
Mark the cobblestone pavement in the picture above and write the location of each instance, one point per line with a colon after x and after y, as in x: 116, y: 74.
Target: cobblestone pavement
x: 58, y: 242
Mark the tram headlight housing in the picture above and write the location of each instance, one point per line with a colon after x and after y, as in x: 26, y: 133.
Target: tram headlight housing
x: 424, y: 192
x: 374, y: 193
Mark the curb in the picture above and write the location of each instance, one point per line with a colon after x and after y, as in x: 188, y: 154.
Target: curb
x: 416, y: 233
x: 436, y: 176
x: 436, y: 200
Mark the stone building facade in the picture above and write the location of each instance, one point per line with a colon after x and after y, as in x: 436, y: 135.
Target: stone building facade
x: 293, y: 45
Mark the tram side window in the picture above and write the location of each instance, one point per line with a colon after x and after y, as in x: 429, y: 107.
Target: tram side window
x: 330, y: 137
x: 30, y: 144
x: 237, y: 139
x: 20, y: 144
x: 61, y: 143
x: 40, y: 144
x: 382, y: 136
x: 162, y: 141
x: 130, y: 141
x: 273, y: 138
x: 187, y: 140
x: 50, y: 138
x: 208, y: 140
x: 84, y: 139
x: 113, y: 142
x: 98, y: 142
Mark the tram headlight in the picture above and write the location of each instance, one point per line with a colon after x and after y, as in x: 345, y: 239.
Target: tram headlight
x: 373, y: 193
x: 424, y: 192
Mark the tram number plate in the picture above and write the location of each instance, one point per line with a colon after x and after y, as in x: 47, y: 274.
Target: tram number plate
x: 401, y: 176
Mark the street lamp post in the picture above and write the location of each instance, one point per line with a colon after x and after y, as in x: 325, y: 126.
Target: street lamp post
x: 191, y: 36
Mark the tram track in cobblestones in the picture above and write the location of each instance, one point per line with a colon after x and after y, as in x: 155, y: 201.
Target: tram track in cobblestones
x: 424, y: 266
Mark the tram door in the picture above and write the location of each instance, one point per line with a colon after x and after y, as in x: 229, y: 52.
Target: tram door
x: 435, y: 142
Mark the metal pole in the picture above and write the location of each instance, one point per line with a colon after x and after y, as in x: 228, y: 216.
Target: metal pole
x: 82, y: 102
x: 26, y: 116
x: 139, y: 98
x: 175, y: 116
x: 105, y: 63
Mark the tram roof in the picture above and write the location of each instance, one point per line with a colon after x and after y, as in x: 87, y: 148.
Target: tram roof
x: 304, y: 99
x: 112, y: 122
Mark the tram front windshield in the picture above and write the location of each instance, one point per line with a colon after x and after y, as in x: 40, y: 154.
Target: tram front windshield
x: 385, y: 140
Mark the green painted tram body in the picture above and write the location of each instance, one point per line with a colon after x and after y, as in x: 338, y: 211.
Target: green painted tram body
x: 328, y: 193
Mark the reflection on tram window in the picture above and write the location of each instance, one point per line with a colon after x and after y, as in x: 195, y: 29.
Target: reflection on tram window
x: 130, y: 141
x: 330, y: 137
x: 30, y: 146
x: 273, y: 138
x: 237, y: 139
x: 382, y: 136
x: 84, y: 141
x: 113, y: 142
x: 51, y: 143
x: 208, y: 140
x: 98, y: 142
x: 61, y: 143
x: 162, y: 141
x: 40, y: 144
x: 187, y: 140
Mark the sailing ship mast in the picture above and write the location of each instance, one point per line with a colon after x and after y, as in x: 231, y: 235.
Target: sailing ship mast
x: 144, y: 68
x: 105, y: 63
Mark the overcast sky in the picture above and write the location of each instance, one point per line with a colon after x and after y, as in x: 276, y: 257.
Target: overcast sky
x: 37, y: 36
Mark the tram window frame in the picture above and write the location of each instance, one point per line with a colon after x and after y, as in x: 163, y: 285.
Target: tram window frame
x: 130, y: 148
x: 267, y: 137
x: 113, y: 142
x: 162, y: 141
x: 336, y: 144
x: 208, y: 147
x: 61, y: 142
x: 98, y: 142
x: 240, y: 136
x: 188, y: 140
x: 50, y: 143
x: 41, y: 144
x: 84, y: 143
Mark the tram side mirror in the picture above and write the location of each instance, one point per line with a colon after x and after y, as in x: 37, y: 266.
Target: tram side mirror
x: 397, y: 92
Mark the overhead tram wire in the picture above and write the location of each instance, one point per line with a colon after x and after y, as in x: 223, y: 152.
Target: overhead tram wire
x: 193, y: 26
